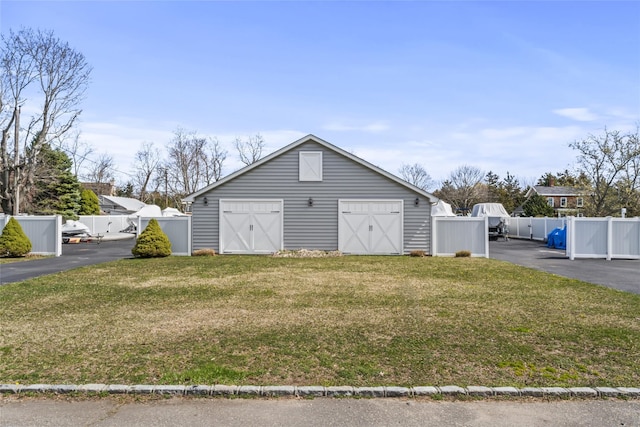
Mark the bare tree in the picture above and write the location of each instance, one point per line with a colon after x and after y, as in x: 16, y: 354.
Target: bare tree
x: 77, y: 151
x: 463, y: 188
x: 146, y: 165
x: 249, y: 150
x: 45, y: 75
x: 612, y: 163
x: 193, y: 162
x: 416, y: 175
x: 101, y: 169
x: 217, y: 156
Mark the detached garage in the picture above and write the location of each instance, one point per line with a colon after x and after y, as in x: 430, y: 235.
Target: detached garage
x: 311, y: 195
x: 370, y: 226
x: 250, y: 226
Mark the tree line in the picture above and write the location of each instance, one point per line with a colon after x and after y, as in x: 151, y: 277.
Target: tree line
x: 42, y: 157
x: 191, y: 162
x: 607, y: 175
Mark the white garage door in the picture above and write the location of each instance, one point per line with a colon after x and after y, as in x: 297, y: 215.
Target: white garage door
x: 370, y: 226
x: 250, y: 226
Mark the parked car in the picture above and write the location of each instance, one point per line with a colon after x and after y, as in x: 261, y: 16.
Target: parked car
x: 498, y: 218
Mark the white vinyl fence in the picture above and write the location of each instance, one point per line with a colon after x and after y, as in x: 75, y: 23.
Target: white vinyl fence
x: 460, y: 233
x: 534, y: 228
x: 43, y: 232
x: 177, y: 229
x: 101, y: 224
x: 607, y: 238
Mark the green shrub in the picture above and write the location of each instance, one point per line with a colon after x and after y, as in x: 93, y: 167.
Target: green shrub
x: 13, y: 241
x: 89, y: 203
x: 152, y: 242
x: 463, y: 254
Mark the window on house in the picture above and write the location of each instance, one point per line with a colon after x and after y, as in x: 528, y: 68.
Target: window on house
x: 310, y: 166
x: 550, y: 201
x: 563, y: 202
x: 579, y: 202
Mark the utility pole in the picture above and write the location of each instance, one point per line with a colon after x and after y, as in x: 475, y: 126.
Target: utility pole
x: 166, y: 188
x: 16, y: 164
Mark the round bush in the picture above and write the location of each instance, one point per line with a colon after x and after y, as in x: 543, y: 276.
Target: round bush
x: 13, y: 241
x: 152, y: 242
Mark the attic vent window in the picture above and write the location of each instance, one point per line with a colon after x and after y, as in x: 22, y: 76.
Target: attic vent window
x: 310, y: 166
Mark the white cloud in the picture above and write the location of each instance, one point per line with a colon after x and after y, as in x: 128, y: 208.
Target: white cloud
x: 122, y: 138
x: 524, y: 151
x: 273, y: 139
x: 374, y: 127
x: 579, y: 114
x: 506, y: 133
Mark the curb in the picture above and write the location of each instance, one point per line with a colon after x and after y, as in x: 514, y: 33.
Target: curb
x: 320, y: 391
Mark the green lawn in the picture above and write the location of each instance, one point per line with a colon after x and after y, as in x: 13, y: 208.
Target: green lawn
x: 359, y: 321
x: 29, y: 257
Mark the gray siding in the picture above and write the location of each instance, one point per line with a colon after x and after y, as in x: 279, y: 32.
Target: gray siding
x: 313, y: 227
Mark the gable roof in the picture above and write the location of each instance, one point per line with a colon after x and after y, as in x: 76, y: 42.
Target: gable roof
x: 191, y: 197
x: 556, y: 191
x: 127, y: 203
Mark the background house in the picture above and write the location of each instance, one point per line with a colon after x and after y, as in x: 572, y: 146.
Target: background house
x: 106, y: 188
x: 312, y: 195
x: 113, y: 205
x: 565, y: 201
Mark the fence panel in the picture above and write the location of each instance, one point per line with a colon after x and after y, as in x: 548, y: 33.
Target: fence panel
x: 101, y: 224
x: 603, y: 238
x: 44, y: 232
x: 177, y: 229
x: 553, y: 223
x: 625, y: 238
x: 534, y: 228
x: 453, y: 234
x: 520, y: 227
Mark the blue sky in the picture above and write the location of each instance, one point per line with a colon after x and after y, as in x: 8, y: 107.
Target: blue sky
x: 500, y: 85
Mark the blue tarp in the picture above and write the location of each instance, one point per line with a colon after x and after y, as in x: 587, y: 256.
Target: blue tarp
x: 557, y: 238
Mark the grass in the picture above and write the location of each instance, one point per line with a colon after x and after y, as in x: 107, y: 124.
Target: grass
x: 361, y: 321
x: 28, y: 257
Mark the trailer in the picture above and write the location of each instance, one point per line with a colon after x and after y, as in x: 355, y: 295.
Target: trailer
x: 498, y: 219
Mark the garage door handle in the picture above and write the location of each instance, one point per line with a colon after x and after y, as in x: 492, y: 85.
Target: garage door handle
x: 371, y: 228
x: 251, y: 227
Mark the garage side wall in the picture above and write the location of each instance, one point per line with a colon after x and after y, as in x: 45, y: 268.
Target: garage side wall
x: 312, y: 227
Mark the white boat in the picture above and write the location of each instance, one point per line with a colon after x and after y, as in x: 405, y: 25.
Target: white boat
x: 76, y: 232
x: 75, y: 228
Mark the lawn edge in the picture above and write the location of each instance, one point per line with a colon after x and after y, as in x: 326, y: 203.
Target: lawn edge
x: 220, y: 390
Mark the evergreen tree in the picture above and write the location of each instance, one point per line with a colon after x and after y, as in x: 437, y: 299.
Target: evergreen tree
x: 536, y: 205
x: 152, y: 242
x: 565, y: 178
x: 511, y: 195
x: 13, y: 241
x: 89, y: 203
x: 493, y: 190
x: 57, y: 189
x: 126, y: 191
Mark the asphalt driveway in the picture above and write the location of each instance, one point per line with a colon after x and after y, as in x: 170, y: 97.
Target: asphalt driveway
x: 620, y: 274
x: 73, y: 256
